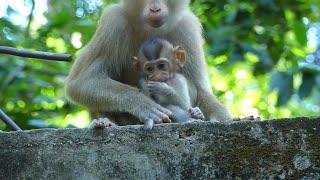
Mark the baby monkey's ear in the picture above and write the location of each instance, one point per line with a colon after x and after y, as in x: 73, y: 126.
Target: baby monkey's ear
x: 136, y: 64
x: 180, y: 55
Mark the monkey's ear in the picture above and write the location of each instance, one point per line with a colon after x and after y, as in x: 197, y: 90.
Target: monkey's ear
x: 136, y: 64
x: 180, y: 55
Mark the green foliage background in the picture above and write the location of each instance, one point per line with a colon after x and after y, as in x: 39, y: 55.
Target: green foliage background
x: 261, y: 61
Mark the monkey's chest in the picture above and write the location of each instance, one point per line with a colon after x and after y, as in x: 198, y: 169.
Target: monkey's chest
x: 130, y: 77
x: 162, y: 100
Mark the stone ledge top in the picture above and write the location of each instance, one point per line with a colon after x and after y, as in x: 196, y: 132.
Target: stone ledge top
x: 171, y: 126
x: 284, y: 148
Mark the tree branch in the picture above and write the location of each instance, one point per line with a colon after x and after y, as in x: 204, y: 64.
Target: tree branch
x: 35, y: 54
x: 11, y: 124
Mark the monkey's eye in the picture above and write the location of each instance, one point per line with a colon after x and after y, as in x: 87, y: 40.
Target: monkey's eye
x: 150, y: 69
x: 163, y: 66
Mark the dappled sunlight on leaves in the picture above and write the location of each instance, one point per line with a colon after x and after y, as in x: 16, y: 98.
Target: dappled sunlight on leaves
x: 79, y: 119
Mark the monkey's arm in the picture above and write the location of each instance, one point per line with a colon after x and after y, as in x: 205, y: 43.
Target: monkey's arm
x: 168, y: 93
x: 169, y: 97
x: 94, y: 89
x: 174, y: 92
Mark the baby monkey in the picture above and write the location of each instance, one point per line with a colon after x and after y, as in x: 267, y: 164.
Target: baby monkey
x: 158, y: 63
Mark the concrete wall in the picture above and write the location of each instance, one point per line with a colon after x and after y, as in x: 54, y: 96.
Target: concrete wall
x: 272, y: 149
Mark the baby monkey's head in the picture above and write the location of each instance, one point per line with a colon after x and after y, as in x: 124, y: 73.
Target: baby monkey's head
x: 159, y: 60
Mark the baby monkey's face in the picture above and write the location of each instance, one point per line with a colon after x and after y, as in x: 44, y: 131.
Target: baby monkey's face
x: 157, y: 70
x: 159, y: 60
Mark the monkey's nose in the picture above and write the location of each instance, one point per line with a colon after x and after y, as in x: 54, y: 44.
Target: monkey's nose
x: 155, y: 9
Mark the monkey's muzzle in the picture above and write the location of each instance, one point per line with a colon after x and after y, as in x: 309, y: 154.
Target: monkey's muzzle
x: 161, y: 77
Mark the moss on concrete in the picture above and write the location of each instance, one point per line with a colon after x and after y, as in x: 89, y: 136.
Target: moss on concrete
x: 282, y: 149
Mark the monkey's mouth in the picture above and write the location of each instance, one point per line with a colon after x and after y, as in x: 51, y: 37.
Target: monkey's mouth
x: 157, y: 21
x: 158, y: 79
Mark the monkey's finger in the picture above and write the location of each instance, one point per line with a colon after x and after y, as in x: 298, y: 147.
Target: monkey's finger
x: 153, y: 89
x: 167, y: 120
x: 155, y: 85
x: 164, y: 118
x: 148, y: 124
x: 153, y: 82
x: 164, y: 110
x: 195, y: 109
x: 195, y: 113
x: 156, y: 118
x: 151, y: 86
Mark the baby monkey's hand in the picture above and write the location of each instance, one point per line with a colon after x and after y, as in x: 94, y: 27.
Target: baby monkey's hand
x: 157, y: 87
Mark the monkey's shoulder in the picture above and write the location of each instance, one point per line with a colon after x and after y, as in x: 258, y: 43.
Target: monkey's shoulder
x: 112, y: 10
x: 114, y: 17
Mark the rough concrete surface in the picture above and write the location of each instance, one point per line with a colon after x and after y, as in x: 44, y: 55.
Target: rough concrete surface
x: 279, y: 149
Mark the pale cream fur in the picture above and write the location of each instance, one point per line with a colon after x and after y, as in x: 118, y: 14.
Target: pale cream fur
x: 102, y: 78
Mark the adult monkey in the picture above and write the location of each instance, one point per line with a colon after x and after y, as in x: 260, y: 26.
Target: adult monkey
x: 103, y: 81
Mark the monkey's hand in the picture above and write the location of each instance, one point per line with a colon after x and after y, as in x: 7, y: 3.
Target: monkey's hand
x: 196, y: 113
x: 152, y: 113
x: 159, y: 88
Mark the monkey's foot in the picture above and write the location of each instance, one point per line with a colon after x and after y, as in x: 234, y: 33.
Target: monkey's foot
x: 196, y: 113
x: 248, y: 118
x: 101, y: 123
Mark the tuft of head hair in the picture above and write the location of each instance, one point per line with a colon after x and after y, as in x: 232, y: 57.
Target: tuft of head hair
x: 178, y: 6
x: 152, y: 49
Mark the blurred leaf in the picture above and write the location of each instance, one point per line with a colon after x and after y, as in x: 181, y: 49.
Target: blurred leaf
x: 310, y: 68
x: 300, y: 32
x: 265, y: 63
x: 308, y: 82
x: 283, y: 82
x: 237, y: 54
x: 220, y: 47
x: 318, y: 80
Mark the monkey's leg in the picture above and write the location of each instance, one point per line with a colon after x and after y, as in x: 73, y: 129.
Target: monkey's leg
x: 179, y: 115
x: 101, y: 123
x: 212, y: 109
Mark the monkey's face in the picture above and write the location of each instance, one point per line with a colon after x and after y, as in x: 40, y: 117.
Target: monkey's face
x: 157, y: 70
x: 155, y: 13
x: 158, y: 60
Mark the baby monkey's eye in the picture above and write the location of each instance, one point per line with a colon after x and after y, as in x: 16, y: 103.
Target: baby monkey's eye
x: 163, y: 66
x: 150, y: 69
